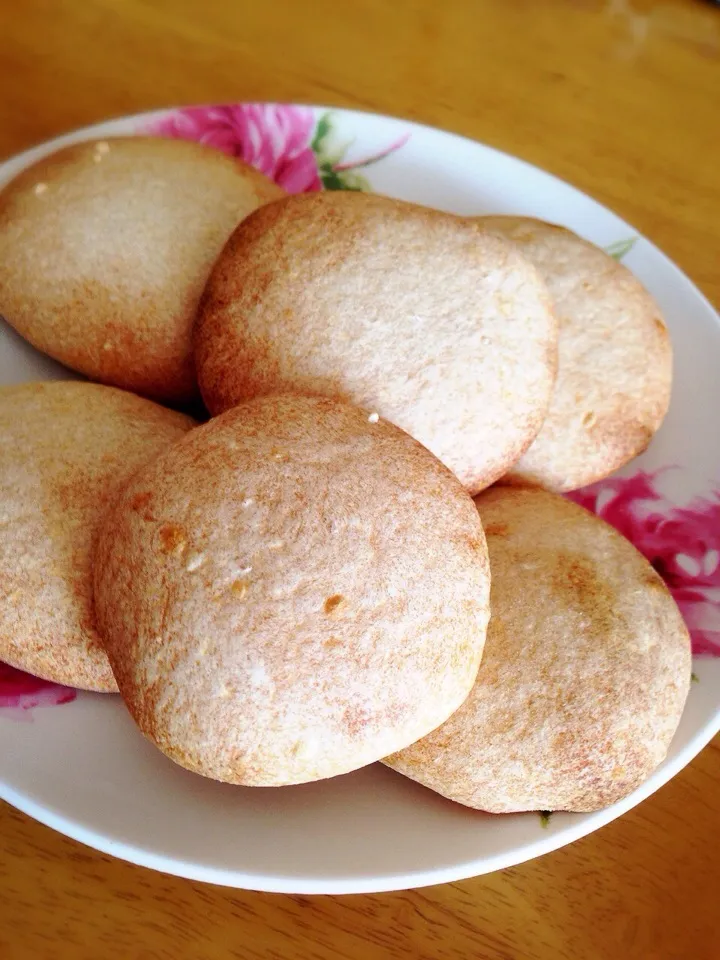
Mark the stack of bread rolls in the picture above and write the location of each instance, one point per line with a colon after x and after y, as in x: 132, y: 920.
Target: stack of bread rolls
x: 303, y: 584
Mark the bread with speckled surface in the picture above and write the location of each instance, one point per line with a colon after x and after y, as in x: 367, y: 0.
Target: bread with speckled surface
x: 105, y: 248
x: 293, y: 591
x: 66, y: 449
x: 585, y: 672
x: 615, y: 359
x: 440, y: 327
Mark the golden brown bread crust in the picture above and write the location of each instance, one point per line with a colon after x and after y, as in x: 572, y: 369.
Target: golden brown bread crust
x: 105, y: 248
x: 442, y: 328
x: 66, y: 449
x: 615, y: 359
x: 585, y: 672
x: 291, y: 589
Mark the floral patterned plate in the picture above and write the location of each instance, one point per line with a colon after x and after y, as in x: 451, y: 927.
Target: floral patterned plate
x: 76, y: 761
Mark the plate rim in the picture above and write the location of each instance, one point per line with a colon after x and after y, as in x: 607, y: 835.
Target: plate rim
x: 388, y: 883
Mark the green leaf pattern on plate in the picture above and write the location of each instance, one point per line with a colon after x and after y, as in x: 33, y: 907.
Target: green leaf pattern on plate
x: 620, y: 248
x: 335, y: 173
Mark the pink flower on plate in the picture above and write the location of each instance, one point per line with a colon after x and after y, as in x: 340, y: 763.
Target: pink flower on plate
x: 681, y: 542
x: 20, y: 692
x: 296, y: 149
x: 274, y: 138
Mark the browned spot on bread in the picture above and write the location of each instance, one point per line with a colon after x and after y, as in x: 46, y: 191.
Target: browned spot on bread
x: 172, y: 539
x: 141, y: 500
x: 356, y: 719
x: 576, y: 571
x: 332, y: 603
x: 142, y: 503
x: 496, y: 530
x: 476, y: 543
x: 655, y: 580
x: 589, y: 587
x: 619, y: 429
x: 661, y: 328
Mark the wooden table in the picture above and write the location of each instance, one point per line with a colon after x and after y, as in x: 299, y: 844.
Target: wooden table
x: 620, y: 97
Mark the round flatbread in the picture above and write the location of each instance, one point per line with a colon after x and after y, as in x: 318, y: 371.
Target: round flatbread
x: 292, y: 592
x: 585, y: 672
x: 105, y: 248
x: 66, y: 449
x: 419, y: 315
x: 615, y: 359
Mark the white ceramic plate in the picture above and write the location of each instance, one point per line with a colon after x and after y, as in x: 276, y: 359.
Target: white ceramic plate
x: 83, y: 768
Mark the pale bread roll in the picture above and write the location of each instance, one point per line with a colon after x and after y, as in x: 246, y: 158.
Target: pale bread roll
x: 585, y: 672
x: 615, y: 359
x: 293, y: 591
x: 66, y: 449
x: 105, y: 248
x: 438, y: 326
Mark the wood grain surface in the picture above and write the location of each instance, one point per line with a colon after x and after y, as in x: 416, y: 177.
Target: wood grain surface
x: 622, y: 98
